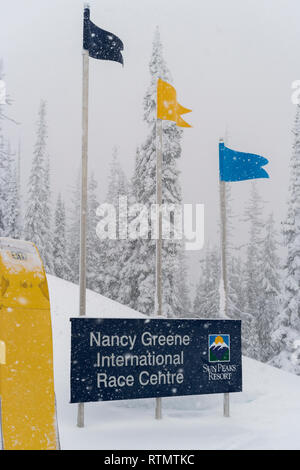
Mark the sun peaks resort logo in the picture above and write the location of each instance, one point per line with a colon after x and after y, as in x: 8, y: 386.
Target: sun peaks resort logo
x: 218, y: 354
x: 219, y: 348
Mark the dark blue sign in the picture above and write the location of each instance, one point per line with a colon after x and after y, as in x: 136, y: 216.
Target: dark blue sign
x: 118, y: 359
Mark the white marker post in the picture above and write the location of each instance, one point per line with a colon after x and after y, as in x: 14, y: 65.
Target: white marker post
x: 158, y: 283
x: 223, y: 287
x: 83, y: 206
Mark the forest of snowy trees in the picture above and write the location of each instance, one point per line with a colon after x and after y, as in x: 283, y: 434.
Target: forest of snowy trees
x: 263, y: 289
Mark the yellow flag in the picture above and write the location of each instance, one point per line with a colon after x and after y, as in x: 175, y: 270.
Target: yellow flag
x: 168, y: 108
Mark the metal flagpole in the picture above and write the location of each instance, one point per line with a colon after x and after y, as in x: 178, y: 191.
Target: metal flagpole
x: 226, y: 406
x: 224, y: 268
x: 83, y: 206
x: 223, y: 245
x: 158, y: 284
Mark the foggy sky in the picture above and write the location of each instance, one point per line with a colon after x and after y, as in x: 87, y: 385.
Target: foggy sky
x: 232, y: 63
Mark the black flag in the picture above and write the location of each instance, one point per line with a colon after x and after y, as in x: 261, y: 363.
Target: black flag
x: 100, y: 44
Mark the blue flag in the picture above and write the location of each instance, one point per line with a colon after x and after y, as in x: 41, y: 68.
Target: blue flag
x: 239, y: 166
x: 100, y: 44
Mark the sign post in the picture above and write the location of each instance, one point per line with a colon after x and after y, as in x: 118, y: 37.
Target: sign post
x: 83, y: 205
x: 101, y: 45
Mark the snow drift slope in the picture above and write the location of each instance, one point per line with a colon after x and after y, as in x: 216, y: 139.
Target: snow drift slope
x: 64, y: 297
x: 266, y: 415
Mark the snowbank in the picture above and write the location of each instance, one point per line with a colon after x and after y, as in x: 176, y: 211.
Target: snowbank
x: 265, y: 416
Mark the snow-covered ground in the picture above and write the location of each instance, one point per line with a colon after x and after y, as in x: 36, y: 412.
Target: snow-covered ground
x: 266, y: 415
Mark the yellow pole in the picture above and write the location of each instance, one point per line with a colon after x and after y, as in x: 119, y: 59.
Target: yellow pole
x: 26, y: 357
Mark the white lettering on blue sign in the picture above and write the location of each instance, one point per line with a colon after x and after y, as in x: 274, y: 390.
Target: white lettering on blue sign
x: 117, y: 359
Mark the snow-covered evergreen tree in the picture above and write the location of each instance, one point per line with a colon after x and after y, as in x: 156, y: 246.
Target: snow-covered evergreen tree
x: 270, y: 284
x: 232, y: 264
x: 48, y: 256
x: 38, y: 211
x: 73, y: 231
x: 253, y: 282
x: 116, y: 251
x: 9, y: 184
x: 3, y: 168
x: 207, y: 298
x: 19, y: 208
x: 117, y: 181
x: 287, y: 334
x: 130, y: 268
x: 236, y: 275
x: 60, y: 260
x: 144, y: 191
x: 12, y: 227
x: 95, y: 255
x: 182, y: 287
x: 5, y: 182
